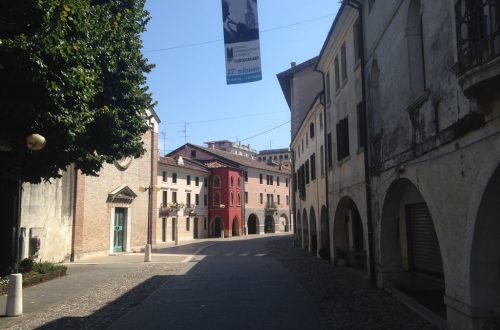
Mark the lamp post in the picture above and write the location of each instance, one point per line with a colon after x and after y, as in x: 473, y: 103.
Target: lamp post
x: 150, y: 189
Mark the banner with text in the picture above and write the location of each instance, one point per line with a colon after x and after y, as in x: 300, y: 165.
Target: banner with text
x: 241, y: 41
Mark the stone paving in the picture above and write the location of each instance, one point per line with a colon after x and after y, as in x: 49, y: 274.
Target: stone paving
x: 344, y: 299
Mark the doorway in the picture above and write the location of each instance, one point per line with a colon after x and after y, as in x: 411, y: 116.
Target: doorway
x: 119, y: 229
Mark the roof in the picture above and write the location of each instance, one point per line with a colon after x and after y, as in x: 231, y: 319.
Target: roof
x: 188, y: 164
x: 330, y: 33
x: 237, y: 159
x: 274, y: 151
x: 285, y: 77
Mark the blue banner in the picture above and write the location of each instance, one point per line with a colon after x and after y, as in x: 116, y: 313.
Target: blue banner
x: 241, y: 41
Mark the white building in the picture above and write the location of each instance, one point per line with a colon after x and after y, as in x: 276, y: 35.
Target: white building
x: 233, y: 147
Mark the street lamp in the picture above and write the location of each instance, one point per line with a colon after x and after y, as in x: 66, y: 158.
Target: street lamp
x: 150, y: 189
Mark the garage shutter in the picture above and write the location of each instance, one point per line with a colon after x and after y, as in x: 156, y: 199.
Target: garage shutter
x: 425, y: 255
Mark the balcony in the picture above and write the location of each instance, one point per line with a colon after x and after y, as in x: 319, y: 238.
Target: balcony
x: 271, y: 206
x: 478, y: 42
x: 169, y: 209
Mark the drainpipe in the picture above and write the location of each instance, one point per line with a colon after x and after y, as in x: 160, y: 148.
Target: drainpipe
x: 292, y: 200
x: 369, y: 221
x: 73, y: 229
x: 243, y: 204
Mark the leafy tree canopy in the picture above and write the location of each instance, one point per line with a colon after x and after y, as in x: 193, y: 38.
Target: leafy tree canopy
x: 72, y: 71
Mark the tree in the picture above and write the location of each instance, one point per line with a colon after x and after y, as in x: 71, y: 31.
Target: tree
x: 72, y: 71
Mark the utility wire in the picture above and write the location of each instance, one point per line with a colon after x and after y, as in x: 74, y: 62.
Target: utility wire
x: 225, y: 118
x: 262, y: 133
x: 218, y: 40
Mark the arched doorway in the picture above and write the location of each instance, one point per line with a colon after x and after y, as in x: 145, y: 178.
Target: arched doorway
x: 253, y: 224
x: 298, y: 230
x: 324, y: 250
x: 235, y: 227
x: 313, y: 232
x: 218, y: 227
x: 269, y: 224
x: 350, y: 247
x: 305, y: 230
x: 283, y: 223
x: 485, y: 255
x: 195, y: 229
x: 409, y: 247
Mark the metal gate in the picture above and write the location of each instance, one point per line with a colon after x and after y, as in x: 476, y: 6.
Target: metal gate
x: 423, y: 244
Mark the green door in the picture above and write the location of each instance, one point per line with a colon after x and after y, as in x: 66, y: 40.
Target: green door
x: 119, y: 223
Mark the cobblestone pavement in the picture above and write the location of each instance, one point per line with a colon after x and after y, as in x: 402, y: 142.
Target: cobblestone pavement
x: 344, y: 299
x: 101, y: 305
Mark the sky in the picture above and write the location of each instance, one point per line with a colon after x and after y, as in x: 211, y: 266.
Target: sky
x: 184, y: 41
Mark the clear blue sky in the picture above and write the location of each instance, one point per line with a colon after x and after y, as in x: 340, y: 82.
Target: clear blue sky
x: 189, y: 83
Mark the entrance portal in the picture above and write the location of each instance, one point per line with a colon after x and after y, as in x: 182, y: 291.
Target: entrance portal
x: 253, y: 224
x: 119, y: 229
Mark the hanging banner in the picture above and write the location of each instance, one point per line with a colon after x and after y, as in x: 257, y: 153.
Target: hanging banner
x: 241, y: 41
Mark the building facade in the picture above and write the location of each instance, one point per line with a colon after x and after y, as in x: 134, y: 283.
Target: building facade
x: 278, y: 156
x: 233, y: 147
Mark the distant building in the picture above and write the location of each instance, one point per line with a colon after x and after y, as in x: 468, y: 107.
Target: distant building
x: 279, y: 156
x: 233, y: 147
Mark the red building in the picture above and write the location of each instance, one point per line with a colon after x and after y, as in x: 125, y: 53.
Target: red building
x: 225, y: 200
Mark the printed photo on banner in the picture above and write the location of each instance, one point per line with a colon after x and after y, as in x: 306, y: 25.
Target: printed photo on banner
x: 241, y: 41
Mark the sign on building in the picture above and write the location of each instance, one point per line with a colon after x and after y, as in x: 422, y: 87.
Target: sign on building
x: 241, y: 41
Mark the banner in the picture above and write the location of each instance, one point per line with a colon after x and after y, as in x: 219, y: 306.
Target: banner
x: 241, y: 41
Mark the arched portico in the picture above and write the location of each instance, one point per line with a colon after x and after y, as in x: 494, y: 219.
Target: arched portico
x: 410, y: 254
x: 283, y: 223
x: 235, y: 227
x: 298, y: 229
x: 253, y: 224
x: 305, y: 230
x: 324, y: 249
x: 216, y: 227
x: 313, y: 231
x: 348, y: 233
x: 269, y: 224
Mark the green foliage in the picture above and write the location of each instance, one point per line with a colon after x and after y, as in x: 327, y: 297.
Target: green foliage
x: 26, y: 265
x: 45, y: 267
x: 72, y: 71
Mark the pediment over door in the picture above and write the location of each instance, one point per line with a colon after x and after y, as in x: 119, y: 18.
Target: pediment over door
x: 122, y: 195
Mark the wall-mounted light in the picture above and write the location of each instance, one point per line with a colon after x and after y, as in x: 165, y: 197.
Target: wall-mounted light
x: 35, y: 142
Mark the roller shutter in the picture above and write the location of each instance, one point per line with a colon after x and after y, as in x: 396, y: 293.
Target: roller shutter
x: 424, y: 253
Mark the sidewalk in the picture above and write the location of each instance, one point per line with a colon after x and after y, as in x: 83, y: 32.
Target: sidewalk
x: 96, y: 282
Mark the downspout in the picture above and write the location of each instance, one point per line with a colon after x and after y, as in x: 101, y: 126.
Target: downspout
x: 243, y: 204
x: 369, y: 221
x: 325, y: 156
x: 73, y: 229
x: 292, y: 200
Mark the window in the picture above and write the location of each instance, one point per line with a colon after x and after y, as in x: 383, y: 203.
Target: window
x: 205, y: 199
x: 205, y: 223
x: 188, y: 199
x: 343, y: 139
x: 188, y: 180
x: 321, y: 161
x: 286, y: 182
x: 307, y: 171
x: 311, y: 130
x: 277, y: 180
x: 216, y: 198
x: 231, y: 198
x: 261, y: 196
x: 174, y: 196
x: 302, y: 145
x: 269, y: 180
x: 328, y: 98
x: 360, y: 109
x: 193, y: 153
x: 329, y: 149
x: 246, y: 197
x: 278, y: 199
x: 344, y: 62
x: 287, y: 200
x: 164, y: 176
x: 281, y: 157
x: 164, y: 199
x: 259, y: 159
x: 232, y: 182
x: 216, y: 181
x: 196, y: 181
x: 307, y: 140
x: 337, y: 73
x: 260, y: 178
x: 239, y: 199
x: 197, y: 199
x: 164, y: 230
x: 174, y: 177
x: 246, y: 176
x: 188, y: 224
x: 356, y: 35
x: 239, y: 182
x: 313, y: 167
x: 286, y: 156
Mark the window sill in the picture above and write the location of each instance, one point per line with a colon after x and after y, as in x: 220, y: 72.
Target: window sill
x: 343, y: 161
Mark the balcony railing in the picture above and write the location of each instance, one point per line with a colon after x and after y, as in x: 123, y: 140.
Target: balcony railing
x: 271, y: 206
x: 478, y: 32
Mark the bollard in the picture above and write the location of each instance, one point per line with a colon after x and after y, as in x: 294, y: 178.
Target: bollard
x: 15, y: 296
x: 222, y: 234
x: 147, y: 253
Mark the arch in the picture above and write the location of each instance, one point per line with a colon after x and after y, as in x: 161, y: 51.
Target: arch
x: 484, y: 285
x: 324, y: 249
x: 305, y: 230
x: 216, y: 181
x: 216, y: 200
x: 410, y: 253
x: 283, y: 223
x: 235, y: 227
x: 216, y: 227
x: 313, y: 231
x: 298, y: 229
x: 269, y: 224
x: 253, y: 224
x: 239, y: 182
x: 238, y: 200
x: 348, y: 234
x: 414, y: 38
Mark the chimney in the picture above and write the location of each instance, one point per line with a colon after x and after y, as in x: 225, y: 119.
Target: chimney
x: 292, y: 64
